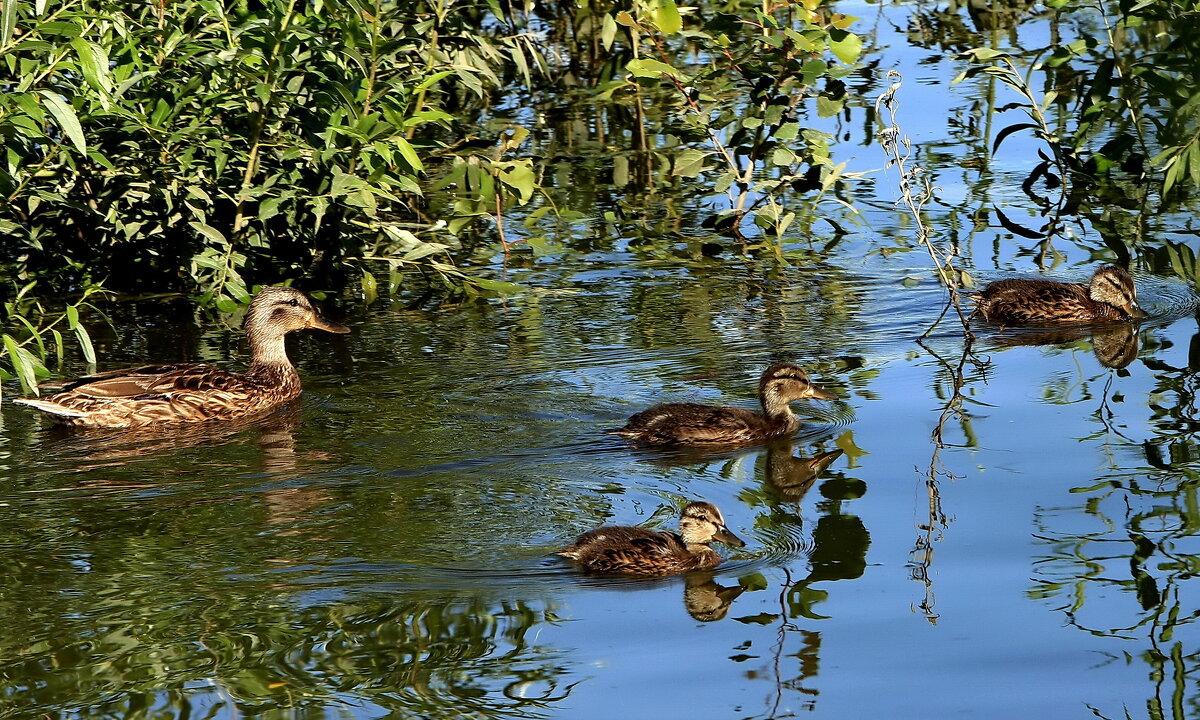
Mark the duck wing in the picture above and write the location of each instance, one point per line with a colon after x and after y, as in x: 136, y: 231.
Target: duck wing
x: 693, y: 424
x: 155, y: 394
x: 154, y: 380
x: 628, y: 550
x: 1027, y: 302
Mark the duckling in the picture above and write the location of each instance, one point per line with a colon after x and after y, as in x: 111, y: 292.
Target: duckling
x: 694, y: 424
x: 194, y: 392
x: 640, y: 551
x: 1110, y: 296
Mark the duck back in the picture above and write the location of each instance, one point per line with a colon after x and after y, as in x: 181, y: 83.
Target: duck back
x: 1030, y: 302
x: 696, y: 424
x: 638, y: 551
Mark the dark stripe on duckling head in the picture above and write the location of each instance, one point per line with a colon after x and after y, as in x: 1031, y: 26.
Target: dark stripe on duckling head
x: 1112, y: 285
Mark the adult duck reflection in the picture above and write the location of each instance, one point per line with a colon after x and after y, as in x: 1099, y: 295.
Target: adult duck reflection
x: 272, y: 435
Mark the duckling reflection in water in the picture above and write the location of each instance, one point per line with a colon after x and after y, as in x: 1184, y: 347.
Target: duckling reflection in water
x: 631, y: 550
x: 793, y: 476
x: 1110, y: 297
x: 695, y: 424
x: 1115, y: 345
x: 706, y: 600
x: 194, y: 392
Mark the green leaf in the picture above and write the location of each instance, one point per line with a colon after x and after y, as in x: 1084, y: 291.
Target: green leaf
x: 754, y: 581
x: 845, y: 46
x: 370, y: 286
x: 689, y: 163
x: 409, y: 153
x: 845, y: 441
x: 498, y: 286
x: 521, y: 179
x: 81, y: 334
x: 984, y: 54
x: 649, y: 68
x: 608, y: 31
x: 24, y: 363
x: 8, y: 21
x: 667, y: 17
x: 94, y: 63
x: 427, y: 116
x: 64, y: 114
x: 828, y: 107
x: 209, y: 232
x: 436, y: 77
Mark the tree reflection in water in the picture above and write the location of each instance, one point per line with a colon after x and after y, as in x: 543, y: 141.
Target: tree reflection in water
x: 836, y: 550
x: 1118, y: 564
x: 429, y: 659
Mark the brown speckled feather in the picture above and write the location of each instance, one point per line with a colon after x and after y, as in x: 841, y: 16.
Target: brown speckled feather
x: 168, y: 393
x: 695, y: 424
x: 701, y: 425
x: 194, y: 392
x: 637, y: 551
x: 640, y: 551
x: 1110, y: 296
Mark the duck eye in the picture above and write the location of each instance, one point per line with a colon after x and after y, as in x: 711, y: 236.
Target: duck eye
x: 294, y: 302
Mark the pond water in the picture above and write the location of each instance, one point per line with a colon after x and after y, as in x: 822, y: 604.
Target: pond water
x: 1009, y: 531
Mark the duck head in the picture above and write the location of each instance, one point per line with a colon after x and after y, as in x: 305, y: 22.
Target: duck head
x: 702, y: 523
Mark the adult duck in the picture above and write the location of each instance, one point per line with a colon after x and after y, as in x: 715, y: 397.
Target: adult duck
x: 194, y: 392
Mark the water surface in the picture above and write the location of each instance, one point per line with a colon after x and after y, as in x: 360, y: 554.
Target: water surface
x: 1010, y: 531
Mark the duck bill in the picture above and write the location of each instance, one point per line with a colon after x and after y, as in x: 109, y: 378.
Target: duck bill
x: 820, y: 393
x: 818, y: 463
x: 316, y: 322
x: 723, y: 535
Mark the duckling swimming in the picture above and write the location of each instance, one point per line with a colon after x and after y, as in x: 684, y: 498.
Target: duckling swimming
x: 193, y: 392
x: 695, y: 424
x: 1110, y: 296
x: 641, y: 551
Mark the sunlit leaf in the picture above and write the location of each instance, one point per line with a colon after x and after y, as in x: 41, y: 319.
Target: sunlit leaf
x: 689, y: 163
x: 846, y: 443
x: 65, y: 116
x: 409, y: 153
x: 667, y: 17
x: 650, y: 68
x: 845, y: 46
x: 209, y: 232
x: 521, y: 178
x: 370, y: 286
x: 608, y: 31
x: 27, y: 366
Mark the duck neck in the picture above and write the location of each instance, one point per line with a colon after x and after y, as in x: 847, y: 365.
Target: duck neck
x: 703, y: 556
x: 778, y: 411
x: 269, y: 362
